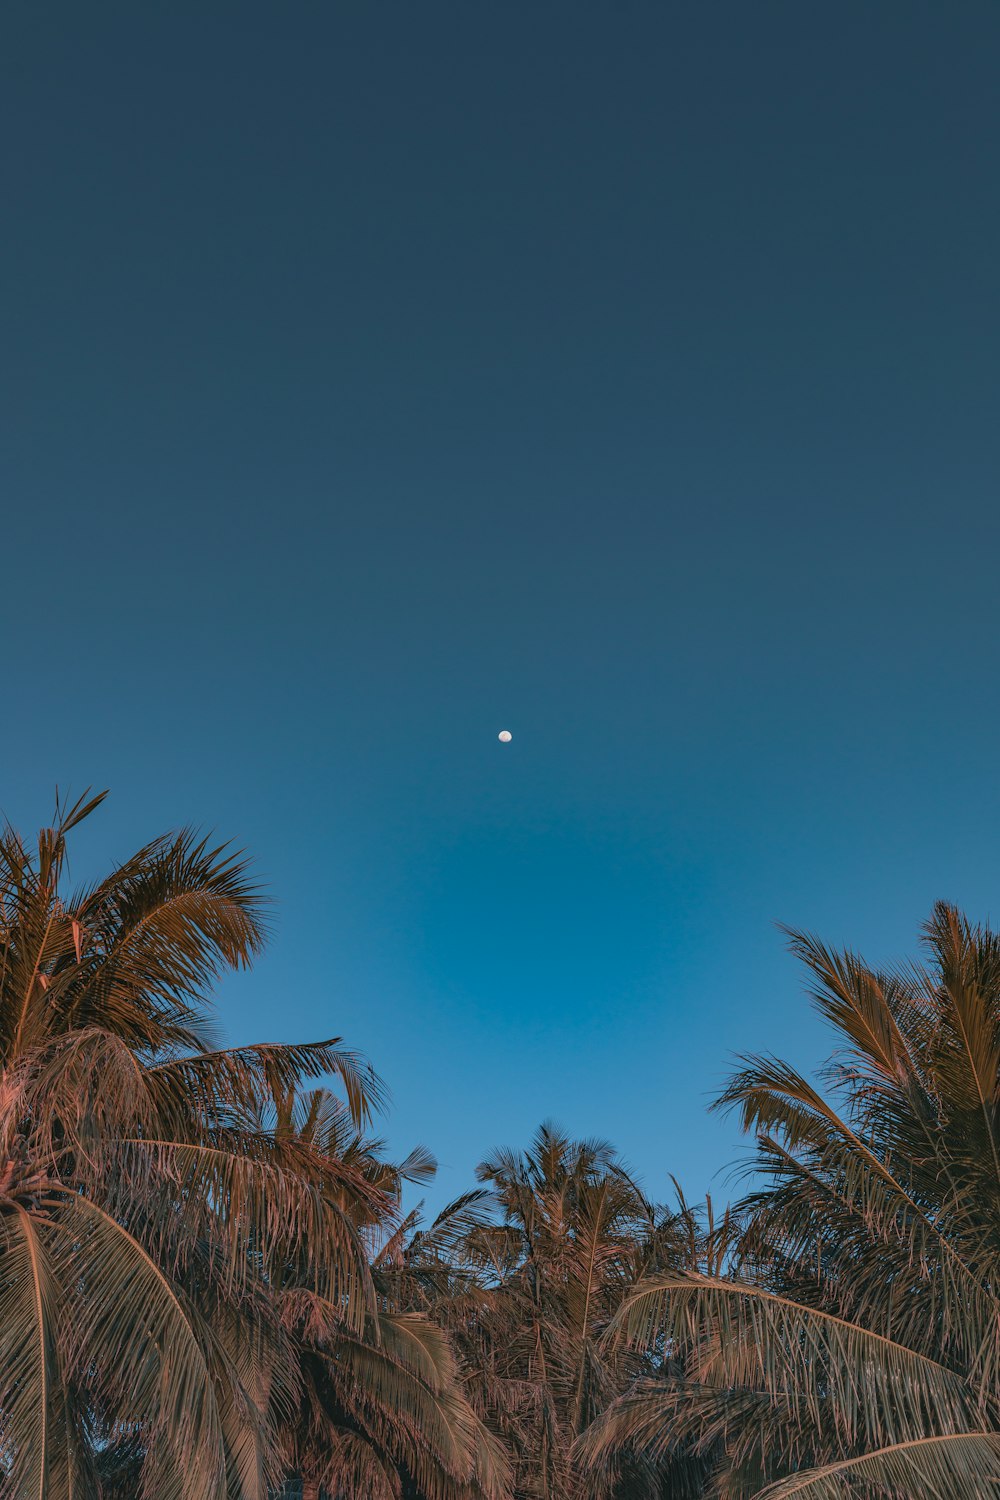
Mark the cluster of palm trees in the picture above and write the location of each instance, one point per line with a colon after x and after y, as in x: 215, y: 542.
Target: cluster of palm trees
x: 209, y: 1286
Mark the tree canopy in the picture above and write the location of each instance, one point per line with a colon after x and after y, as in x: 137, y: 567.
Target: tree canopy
x: 210, y: 1285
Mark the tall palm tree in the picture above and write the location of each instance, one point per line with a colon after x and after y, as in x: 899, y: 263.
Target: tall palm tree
x: 853, y: 1345
x: 541, y: 1262
x: 146, y: 1197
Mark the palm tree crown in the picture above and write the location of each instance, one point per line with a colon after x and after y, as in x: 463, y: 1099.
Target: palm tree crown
x: 851, y: 1346
x: 526, y: 1275
x: 147, y: 1199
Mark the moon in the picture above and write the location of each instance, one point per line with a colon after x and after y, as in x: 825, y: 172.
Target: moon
x: 505, y: 736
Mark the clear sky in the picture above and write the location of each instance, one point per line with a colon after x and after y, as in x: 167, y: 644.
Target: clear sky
x: 379, y: 376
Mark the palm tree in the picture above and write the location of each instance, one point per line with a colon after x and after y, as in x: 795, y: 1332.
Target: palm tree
x: 852, y: 1347
x: 540, y: 1261
x: 382, y: 1409
x: 147, y: 1199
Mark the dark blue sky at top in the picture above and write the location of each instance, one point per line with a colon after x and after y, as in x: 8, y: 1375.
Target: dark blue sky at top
x: 376, y: 377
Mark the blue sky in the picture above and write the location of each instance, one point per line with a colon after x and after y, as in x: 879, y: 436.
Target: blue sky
x: 378, y: 377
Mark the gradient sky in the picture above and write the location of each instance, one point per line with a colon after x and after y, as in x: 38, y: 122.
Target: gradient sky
x: 379, y: 376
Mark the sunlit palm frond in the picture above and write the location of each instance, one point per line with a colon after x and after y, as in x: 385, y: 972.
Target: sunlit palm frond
x: 747, y: 1337
x: 30, y: 1373
x: 240, y: 1079
x: 921, y: 1468
x: 131, y: 1322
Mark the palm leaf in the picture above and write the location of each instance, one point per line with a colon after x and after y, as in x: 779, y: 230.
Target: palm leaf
x: 29, y: 1372
x: 921, y: 1468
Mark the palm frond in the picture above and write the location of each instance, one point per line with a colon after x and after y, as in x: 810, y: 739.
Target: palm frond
x: 921, y: 1468
x: 157, y: 1372
x: 29, y: 1370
